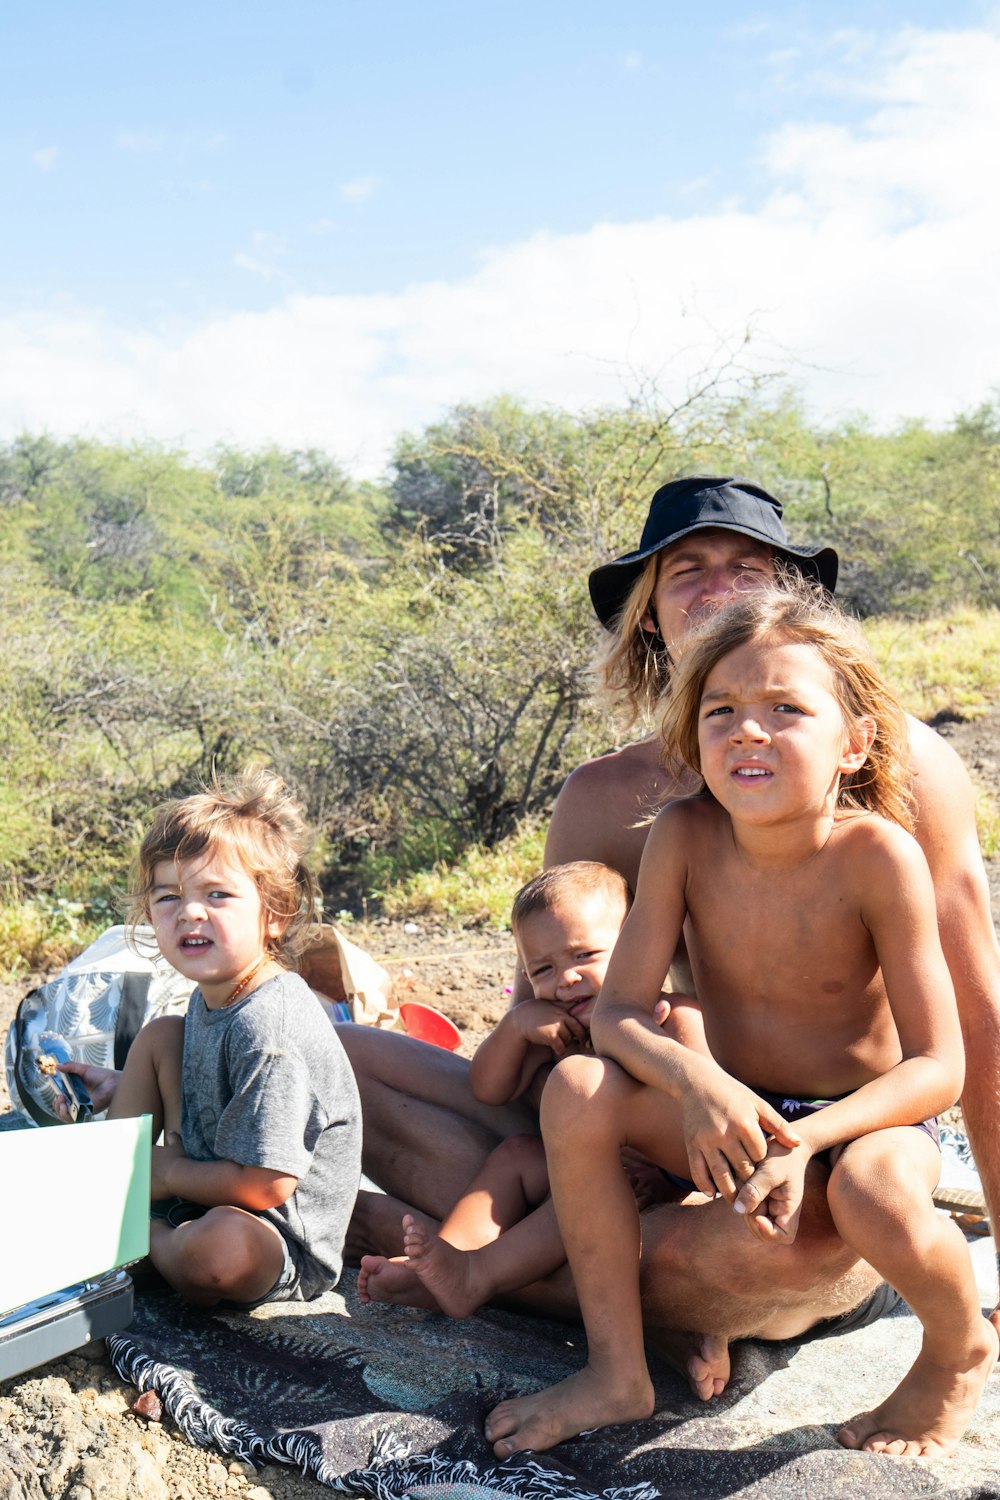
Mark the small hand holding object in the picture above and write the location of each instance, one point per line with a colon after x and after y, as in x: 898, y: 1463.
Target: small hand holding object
x: 100, y: 1083
x: 772, y: 1198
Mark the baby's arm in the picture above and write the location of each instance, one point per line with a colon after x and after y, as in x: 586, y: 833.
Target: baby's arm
x: 897, y: 906
x: 530, y: 1035
x: 724, y: 1122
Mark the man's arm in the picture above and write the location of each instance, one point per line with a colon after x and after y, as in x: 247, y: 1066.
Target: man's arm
x: 946, y: 830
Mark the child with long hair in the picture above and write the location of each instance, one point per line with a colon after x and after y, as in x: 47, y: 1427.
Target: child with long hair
x: 831, y: 1031
x: 254, y: 1184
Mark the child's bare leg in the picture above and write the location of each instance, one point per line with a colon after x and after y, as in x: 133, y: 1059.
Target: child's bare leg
x: 513, y: 1181
x: 463, y: 1280
x: 151, y: 1081
x: 590, y: 1109
x: 226, y: 1254
x: 436, y: 1270
x: 880, y: 1196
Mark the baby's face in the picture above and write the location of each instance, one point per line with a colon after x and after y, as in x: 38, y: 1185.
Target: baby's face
x: 565, y: 950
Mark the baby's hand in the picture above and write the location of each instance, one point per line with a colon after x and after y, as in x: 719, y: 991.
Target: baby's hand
x: 549, y: 1025
x: 772, y: 1198
x: 726, y: 1126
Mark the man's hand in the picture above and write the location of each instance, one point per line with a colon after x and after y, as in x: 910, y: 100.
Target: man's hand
x: 100, y: 1084
x: 163, y: 1160
x: 772, y: 1198
x: 548, y: 1025
x: 725, y: 1127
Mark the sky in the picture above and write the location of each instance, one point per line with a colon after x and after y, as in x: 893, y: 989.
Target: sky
x: 325, y: 224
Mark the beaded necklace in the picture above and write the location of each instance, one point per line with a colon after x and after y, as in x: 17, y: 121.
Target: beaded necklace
x: 238, y: 991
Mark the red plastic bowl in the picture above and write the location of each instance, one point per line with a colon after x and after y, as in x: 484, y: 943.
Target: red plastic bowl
x: 429, y: 1025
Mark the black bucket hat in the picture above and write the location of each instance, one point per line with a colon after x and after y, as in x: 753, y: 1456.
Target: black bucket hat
x: 697, y: 504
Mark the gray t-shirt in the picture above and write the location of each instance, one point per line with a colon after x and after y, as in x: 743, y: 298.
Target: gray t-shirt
x: 266, y: 1083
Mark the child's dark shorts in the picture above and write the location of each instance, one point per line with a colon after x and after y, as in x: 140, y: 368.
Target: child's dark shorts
x: 796, y: 1109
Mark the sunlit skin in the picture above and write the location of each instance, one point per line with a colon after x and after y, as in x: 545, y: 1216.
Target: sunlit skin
x: 565, y: 952
x: 801, y: 924
x: 772, y: 738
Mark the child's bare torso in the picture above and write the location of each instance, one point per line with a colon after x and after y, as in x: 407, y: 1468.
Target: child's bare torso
x: 784, y: 966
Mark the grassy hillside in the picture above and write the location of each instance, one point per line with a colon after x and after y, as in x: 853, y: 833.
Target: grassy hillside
x: 412, y: 655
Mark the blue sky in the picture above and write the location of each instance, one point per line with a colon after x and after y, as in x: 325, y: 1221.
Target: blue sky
x: 327, y: 222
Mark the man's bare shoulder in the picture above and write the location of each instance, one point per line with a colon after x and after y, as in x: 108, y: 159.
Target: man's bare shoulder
x: 938, y: 771
x: 631, y: 765
x: 945, y: 803
x: 605, y: 807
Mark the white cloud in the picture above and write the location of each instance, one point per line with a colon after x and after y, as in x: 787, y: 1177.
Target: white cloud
x: 140, y: 142
x: 358, y: 189
x: 262, y: 260
x: 870, y: 272
x: 45, y: 158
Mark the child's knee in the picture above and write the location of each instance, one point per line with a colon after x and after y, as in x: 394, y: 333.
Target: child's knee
x: 216, y: 1254
x: 883, y: 1181
x: 580, y: 1083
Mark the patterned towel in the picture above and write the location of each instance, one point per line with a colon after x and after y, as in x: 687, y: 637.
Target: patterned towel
x: 376, y: 1401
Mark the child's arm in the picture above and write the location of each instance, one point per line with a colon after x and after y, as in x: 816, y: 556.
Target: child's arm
x: 724, y: 1121
x: 897, y: 906
x: 211, y: 1183
x: 530, y: 1035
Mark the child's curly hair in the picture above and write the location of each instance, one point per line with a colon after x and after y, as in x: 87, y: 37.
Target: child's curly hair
x: 255, y: 820
x: 801, y: 613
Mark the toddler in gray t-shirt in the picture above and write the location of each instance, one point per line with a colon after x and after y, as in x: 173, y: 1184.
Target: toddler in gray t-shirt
x: 255, y: 1182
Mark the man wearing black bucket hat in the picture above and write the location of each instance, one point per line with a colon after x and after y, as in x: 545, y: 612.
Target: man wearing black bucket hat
x: 425, y: 1136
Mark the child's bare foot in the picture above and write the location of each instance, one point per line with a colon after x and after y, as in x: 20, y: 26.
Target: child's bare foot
x: 447, y: 1274
x: 930, y: 1409
x: 575, y: 1405
x: 702, y: 1358
x: 383, y: 1280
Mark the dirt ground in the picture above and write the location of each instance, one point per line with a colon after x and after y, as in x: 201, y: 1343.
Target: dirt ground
x: 66, y: 1429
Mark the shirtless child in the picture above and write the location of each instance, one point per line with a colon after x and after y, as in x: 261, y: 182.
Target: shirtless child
x: 501, y: 1235
x: 810, y: 923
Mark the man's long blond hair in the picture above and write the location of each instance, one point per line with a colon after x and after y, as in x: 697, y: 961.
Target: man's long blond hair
x: 633, y: 665
x: 800, y: 613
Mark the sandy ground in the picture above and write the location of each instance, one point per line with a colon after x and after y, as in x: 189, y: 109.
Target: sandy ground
x: 66, y: 1430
